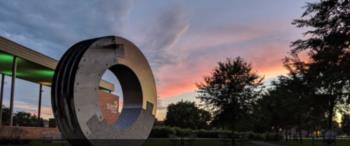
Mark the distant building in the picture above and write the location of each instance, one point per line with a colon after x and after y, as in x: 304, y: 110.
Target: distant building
x: 109, y: 105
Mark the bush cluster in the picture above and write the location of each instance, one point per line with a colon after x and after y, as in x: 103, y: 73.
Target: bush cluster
x: 168, y: 132
x: 162, y: 132
x: 171, y: 132
x: 213, y: 133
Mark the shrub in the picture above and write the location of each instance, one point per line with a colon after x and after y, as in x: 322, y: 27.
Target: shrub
x: 226, y: 134
x: 184, y: 132
x: 206, y: 134
x: 162, y: 132
x: 255, y: 136
x: 273, y: 137
x: 213, y: 133
x: 167, y: 132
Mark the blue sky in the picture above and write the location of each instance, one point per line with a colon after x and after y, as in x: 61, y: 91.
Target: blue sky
x: 183, y: 40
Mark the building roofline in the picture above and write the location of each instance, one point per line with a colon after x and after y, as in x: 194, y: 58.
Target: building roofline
x: 13, y: 48
x: 26, y: 53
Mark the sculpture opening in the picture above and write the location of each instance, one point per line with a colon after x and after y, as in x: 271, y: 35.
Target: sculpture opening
x: 131, y: 90
x: 110, y: 97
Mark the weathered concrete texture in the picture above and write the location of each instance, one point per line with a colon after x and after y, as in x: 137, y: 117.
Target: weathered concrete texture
x: 143, y: 124
x: 75, y: 91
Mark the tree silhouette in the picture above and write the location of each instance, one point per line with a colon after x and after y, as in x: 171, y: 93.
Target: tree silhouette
x: 291, y: 103
x: 185, y: 114
x: 26, y: 119
x: 21, y: 119
x: 230, y: 91
x: 327, y: 45
x: 278, y: 107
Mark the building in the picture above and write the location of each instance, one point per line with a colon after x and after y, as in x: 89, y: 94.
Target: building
x: 18, y: 61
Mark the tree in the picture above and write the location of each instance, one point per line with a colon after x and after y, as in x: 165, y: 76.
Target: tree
x: 26, y: 119
x: 276, y: 108
x: 345, y: 124
x: 185, y: 114
x: 5, y: 115
x: 20, y: 118
x: 204, y: 119
x: 290, y: 103
x: 230, y: 91
x: 327, y: 45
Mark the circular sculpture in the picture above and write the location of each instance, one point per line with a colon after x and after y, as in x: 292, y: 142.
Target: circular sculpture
x: 76, y: 84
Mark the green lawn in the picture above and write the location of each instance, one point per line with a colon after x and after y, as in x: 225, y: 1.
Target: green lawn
x: 308, y: 142
x: 200, y: 142
x: 195, y: 142
x: 156, y: 142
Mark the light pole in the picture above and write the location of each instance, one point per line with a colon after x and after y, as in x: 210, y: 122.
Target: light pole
x: 13, y: 83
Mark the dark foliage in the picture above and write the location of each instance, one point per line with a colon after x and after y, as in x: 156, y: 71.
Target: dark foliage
x: 230, y: 91
x: 186, y: 115
x: 21, y: 119
x: 327, y: 45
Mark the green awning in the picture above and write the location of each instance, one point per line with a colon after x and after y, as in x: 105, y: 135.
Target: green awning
x: 26, y: 70
x: 31, y: 65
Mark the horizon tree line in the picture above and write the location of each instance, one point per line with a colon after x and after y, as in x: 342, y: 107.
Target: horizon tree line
x: 307, y: 98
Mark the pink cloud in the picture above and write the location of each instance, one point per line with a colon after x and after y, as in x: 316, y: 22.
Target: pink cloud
x: 200, y: 54
x: 46, y: 111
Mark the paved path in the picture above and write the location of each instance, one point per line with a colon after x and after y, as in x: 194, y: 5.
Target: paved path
x: 260, y: 143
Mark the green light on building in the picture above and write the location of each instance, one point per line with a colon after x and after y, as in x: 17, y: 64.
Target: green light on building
x: 6, y: 57
x: 43, y: 73
x: 9, y: 73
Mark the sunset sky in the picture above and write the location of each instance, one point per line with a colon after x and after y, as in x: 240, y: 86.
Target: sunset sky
x: 183, y: 40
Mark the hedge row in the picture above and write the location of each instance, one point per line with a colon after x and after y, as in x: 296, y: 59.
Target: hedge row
x: 261, y: 136
x: 172, y: 132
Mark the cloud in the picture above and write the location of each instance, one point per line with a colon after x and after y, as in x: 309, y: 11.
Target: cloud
x: 263, y: 46
x: 46, y: 111
x: 52, y: 26
x: 181, y: 46
x: 178, y: 81
x: 166, y: 29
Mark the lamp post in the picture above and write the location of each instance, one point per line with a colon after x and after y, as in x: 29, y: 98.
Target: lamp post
x: 1, y: 96
x: 13, y: 83
x: 39, y: 104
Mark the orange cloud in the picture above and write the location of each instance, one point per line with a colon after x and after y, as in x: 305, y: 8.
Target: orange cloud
x: 46, y: 112
x: 266, y: 60
x: 177, y: 79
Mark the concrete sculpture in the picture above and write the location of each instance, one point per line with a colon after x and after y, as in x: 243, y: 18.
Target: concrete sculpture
x: 76, y: 84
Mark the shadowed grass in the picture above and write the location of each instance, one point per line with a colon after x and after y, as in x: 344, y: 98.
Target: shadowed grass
x: 308, y: 142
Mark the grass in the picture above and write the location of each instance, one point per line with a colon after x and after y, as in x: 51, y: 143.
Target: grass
x: 195, y: 142
x: 198, y: 142
x: 155, y: 142
x: 308, y: 142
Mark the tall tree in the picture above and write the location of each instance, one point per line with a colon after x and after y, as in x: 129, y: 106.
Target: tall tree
x: 186, y: 114
x: 277, y: 107
x: 230, y: 91
x: 327, y: 45
x: 290, y: 103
